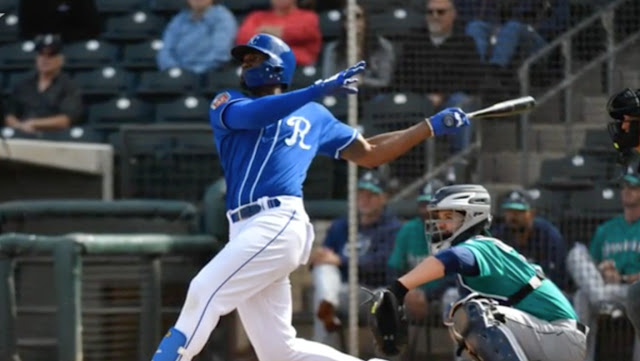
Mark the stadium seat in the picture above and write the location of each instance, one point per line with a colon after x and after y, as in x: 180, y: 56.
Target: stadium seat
x: 120, y: 6
x: 548, y: 203
x: 245, y: 6
x: 82, y: 134
x: 104, y: 82
x: 14, y: 78
x: 17, y: 56
x: 226, y: 78
x: 395, y: 111
x: 167, y: 7
x: 186, y: 109
x: 598, y: 141
x: 331, y: 25
x: 588, y: 209
x: 337, y: 105
x: 8, y: 27
x: 142, y: 56
x: 573, y: 172
x: 305, y: 76
x: 112, y: 114
x: 168, y: 162
x: 90, y: 54
x: 170, y: 82
x: 320, y: 179
x: 380, y: 6
x: 8, y: 5
x: 395, y: 23
x: 139, y: 25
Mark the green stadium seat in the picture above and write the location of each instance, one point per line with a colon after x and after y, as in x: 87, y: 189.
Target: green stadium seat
x: 118, y: 111
x: 245, y: 6
x: 90, y: 54
x: 8, y: 5
x: 186, y: 109
x: 142, y: 56
x: 331, y: 24
x: 337, y: 105
x: 81, y: 134
x: 9, y: 28
x: 167, y: 162
x: 15, y: 77
x: 575, y: 172
x: 305, y: 76
x: 587, y: 210
x: 395, y: 23
x: 120, y: 6
x: 17, y: 56
x: 170, y: 82
x: 135, y: 26
x: 167, y: 7
x: 100, y: 84
x: 216, y: 81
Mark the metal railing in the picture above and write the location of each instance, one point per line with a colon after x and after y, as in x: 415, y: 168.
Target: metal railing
x: 564, y: 42
x: 68, y: 253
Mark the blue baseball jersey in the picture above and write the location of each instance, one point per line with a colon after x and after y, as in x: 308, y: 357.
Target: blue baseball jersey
x: 272, y: 160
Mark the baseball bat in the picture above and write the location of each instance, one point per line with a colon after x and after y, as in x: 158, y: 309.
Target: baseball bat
x: 505, y: 108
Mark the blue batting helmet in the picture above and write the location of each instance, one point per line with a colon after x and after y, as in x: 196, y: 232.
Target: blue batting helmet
x: 277, y: 69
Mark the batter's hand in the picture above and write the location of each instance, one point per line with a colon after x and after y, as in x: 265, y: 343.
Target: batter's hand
x: 448, y: 121
x: 343, y: 82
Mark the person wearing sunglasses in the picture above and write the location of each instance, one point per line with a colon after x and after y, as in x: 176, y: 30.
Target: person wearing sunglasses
x: 440, y: 61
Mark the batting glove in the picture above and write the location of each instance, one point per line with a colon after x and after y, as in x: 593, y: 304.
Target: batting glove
x: 448, y: 121
x: 341, y: 83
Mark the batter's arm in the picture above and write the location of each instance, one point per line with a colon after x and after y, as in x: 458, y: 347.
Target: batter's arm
x: 383, y: 148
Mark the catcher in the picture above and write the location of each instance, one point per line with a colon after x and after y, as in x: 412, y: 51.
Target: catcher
x: 511, y: 312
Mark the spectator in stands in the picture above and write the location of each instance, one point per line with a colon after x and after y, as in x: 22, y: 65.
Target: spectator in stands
x: 297, y: 27
x: 198, y: 39
x: 74, y: 20
x: 49, y: 99
x: 532, y: 236
x: 375, y: 49
x: 377, y: 230
x: 440, y: 61
x: 506, y: 32
x: 603, y: 272
x: 412, y: 245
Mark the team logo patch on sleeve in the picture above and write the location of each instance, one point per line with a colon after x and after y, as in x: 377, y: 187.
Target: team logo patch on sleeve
x: 220, y: 99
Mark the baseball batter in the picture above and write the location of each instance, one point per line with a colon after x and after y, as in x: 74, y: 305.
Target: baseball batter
x: 266, y: 140
x: 511, y: 313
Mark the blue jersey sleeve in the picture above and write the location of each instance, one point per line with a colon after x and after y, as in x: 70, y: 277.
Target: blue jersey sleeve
x: 336, y: 135
x: 459, y: 260
x: 234, y: 111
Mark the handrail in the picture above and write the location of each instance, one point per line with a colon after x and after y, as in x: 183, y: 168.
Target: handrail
x: 606, y: 16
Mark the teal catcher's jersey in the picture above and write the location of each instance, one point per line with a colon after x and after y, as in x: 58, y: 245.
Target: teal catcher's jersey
x: 503, y: 271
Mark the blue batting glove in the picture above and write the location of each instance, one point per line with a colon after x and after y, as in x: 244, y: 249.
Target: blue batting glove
x: 448, y: 121
x: 341, y: 83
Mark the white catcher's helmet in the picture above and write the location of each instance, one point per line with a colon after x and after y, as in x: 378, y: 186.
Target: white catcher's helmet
x: 471, y: 201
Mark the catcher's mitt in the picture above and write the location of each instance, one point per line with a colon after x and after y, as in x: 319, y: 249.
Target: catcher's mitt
x: 388, y: 323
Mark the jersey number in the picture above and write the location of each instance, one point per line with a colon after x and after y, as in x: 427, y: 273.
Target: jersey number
x: 301, y: 127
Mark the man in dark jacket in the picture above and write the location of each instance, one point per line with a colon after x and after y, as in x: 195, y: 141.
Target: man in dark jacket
x: 442, y: 62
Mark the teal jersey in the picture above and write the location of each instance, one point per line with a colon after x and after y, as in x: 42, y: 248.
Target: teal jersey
x: 618, y: 241
x: 503, y: 271
x: 411, y: 247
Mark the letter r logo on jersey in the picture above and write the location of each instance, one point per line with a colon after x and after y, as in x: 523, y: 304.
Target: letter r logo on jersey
x: 301, y: 127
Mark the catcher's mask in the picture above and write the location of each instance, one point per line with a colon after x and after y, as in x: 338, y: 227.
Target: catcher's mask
x: 457, y: 213
x: 625, y: 103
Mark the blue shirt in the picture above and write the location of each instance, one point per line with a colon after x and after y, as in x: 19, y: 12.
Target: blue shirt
x: 545, y: 247
x: 374, y: 244
x: 266, y: 149
x: 198, y: 45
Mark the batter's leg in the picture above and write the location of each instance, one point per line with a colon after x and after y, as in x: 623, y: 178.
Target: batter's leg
x: 266, y: 318
x: 266, y: 250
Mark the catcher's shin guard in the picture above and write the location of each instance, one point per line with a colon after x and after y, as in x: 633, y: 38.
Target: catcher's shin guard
x: 485, y: 337
x: 172, y: 347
